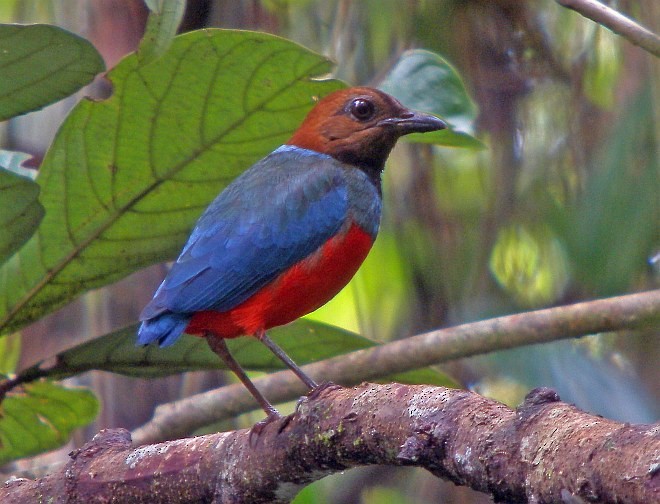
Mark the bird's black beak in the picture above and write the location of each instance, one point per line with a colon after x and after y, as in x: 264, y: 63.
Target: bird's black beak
x: 413, y: 122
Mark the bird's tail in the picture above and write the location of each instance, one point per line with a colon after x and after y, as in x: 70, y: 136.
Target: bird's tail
x: 165, y: 328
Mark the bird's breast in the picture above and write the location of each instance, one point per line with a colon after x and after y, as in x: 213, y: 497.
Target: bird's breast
x: 301, y: 289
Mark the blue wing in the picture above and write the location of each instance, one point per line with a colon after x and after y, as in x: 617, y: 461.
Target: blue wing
x: 275, y: 214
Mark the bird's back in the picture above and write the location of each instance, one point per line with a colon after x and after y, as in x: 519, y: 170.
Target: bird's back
x: 278, y: 242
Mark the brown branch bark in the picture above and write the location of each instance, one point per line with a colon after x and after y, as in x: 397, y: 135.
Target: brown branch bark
x: 545, y: 451
x: 617, y: 22
x: 624, y: 312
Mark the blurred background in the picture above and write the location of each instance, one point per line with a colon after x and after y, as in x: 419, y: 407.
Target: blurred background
x: 561, y: 206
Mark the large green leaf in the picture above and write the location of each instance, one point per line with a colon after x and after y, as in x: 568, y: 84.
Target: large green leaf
x: 116, y: 352
x: 40, y: 64
x: 20, y: 210
x: 303, y: 340
x: 126, y: 178
x: 422, y: 80
x: 41, y: 417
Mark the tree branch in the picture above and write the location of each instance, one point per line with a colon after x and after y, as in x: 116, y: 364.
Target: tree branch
x: 617, y: 22
x: 625, y: 312
x: 545, y: 451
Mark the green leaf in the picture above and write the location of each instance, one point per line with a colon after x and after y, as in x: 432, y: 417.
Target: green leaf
x: 126, y: 178
x: 161, y: 27
x: 20, y: 210
x: 40, y: 64
x: 304, y: 341
x: 424, y: 81
x: 41, y: 417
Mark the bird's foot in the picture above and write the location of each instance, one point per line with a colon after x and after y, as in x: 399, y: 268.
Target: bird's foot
x: 322, y: 388
x: 258, y: 428
x: 316, y: 392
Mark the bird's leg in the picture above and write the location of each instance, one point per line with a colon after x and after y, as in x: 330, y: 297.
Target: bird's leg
x: 263, y: 337
x: 219, y: 346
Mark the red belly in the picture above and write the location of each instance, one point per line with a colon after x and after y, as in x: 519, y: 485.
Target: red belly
x: 300, y: 290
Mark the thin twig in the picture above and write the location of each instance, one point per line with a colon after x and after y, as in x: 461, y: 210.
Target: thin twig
x: 617, y: 22
x: 625, y: 312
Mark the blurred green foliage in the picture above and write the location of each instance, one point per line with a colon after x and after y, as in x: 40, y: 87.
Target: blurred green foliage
x: 530, y: 264
x: 612, y: 229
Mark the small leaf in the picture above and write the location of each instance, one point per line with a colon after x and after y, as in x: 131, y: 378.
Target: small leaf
x: 40, y: 64
x: 20, y: 210
x: 424, y: 81
x: 41, y: 417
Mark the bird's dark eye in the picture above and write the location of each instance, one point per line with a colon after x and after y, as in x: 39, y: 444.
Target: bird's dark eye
x: 362, y: 109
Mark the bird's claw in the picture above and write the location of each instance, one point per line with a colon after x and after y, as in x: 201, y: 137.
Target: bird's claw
x: 258, y: 428
x: 316, y: 392
x: 321, y: 388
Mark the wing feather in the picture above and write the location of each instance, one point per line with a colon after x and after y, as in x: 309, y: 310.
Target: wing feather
x: 275, y: 214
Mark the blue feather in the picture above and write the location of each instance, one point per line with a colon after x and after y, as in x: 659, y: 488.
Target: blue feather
x: 275, y: 214
x: 165, y: 329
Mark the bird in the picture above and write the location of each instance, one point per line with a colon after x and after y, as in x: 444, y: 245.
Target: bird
x: 286, y: 235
